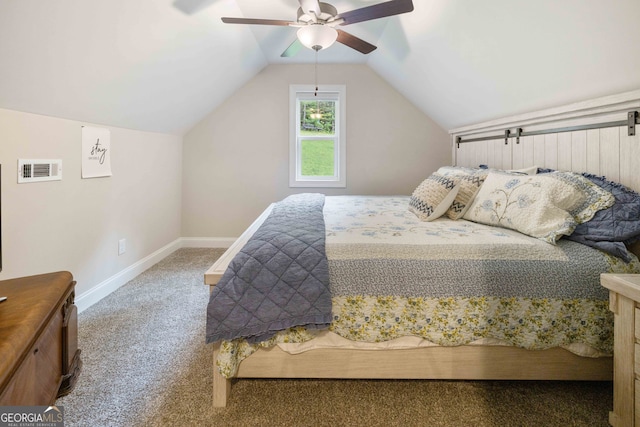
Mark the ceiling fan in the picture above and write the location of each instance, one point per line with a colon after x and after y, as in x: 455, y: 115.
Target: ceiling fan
x: 317, y: 21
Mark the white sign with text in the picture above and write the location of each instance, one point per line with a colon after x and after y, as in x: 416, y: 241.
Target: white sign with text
x: 96, y: 152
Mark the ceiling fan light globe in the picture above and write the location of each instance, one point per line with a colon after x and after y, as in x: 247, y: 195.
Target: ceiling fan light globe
x: 317, y: 36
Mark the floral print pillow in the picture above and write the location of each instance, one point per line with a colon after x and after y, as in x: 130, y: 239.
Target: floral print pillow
x: 543, y: 206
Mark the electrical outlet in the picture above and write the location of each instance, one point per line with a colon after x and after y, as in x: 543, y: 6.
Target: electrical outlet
x: 122, y: 246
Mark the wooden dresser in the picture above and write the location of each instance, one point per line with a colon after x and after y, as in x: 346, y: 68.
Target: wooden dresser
x: 39, y: 356
x: 624, y: 301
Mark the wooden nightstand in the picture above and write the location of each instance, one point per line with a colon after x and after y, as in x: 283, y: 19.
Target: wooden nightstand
x: 624, y: 301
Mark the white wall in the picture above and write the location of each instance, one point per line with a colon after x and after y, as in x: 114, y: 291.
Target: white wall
x: 75, y: 224
x: 236, y: 159
x: 475, y: 61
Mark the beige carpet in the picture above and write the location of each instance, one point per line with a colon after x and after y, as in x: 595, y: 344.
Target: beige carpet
x: 146, y: 364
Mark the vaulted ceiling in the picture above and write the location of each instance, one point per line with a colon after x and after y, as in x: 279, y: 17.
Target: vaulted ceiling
x: 146, y: 64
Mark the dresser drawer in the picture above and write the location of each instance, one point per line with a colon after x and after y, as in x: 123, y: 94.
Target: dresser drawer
x: 37, y: 380
x: 636, y: 365
x: 20, y: 390
x: 637, y: 323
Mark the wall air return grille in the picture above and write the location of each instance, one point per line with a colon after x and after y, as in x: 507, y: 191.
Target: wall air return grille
x: 30, y: 170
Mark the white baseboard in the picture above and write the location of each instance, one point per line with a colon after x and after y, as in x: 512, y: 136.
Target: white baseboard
x: 101, y: 290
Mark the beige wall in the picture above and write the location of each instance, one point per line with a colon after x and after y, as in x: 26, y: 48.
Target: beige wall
x: 235, y: 161
x: 75, y: 224
x: 231, y: 166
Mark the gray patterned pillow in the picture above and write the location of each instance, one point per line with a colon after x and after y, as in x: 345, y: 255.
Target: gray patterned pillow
x: 433, y: 196
x: 469, y: 187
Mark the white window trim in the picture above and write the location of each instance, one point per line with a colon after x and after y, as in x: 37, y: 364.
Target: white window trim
x: 295, y: 180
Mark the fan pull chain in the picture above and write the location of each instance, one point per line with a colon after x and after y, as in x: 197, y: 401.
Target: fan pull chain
x: 316, y: 93
x: 316, y: 73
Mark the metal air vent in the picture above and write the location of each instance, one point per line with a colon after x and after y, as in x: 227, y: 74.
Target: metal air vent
x: 30, y: 170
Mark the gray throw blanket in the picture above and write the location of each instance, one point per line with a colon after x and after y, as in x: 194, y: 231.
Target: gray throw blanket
x: 278, y: 280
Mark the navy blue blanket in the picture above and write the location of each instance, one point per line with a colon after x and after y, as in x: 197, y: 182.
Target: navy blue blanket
x: 278, y: 280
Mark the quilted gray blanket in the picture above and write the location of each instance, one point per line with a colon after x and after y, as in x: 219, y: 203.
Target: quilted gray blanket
x: 278, y: 280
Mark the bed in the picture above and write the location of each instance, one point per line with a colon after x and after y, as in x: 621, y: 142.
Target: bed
x: 511, y: 320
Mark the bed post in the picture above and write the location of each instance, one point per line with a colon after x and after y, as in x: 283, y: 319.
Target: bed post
x: 221, y: 385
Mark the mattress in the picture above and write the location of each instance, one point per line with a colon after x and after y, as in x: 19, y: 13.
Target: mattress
x: 450, y: 283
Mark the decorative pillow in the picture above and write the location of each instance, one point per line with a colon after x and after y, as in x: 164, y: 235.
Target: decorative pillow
x: 545, y: 170
x: 459, y: 170
x: 610, y: 229
x: 433, y: 196
x: 469, y: 187
x: 531, y: 170
x: 545, y: 206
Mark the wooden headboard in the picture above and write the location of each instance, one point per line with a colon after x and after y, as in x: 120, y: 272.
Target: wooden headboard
x: 607, y: 151
x: 594, y: 136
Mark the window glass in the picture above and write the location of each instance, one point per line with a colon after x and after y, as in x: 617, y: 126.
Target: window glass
x: 317, y: 148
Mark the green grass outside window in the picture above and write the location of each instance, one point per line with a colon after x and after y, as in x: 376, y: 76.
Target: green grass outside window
x: 317, y: 158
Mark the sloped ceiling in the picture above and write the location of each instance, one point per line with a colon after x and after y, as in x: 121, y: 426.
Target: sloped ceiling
x: 144, y: 64
x: 139, y: 64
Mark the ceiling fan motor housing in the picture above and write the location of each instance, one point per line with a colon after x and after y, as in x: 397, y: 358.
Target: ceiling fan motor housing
x: 317, y: 21
x: 328, y: 12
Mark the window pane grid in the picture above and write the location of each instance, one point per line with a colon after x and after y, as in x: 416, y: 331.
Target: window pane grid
x: 315, y: 138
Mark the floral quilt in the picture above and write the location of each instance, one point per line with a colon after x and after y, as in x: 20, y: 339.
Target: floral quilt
x: 452, y: 283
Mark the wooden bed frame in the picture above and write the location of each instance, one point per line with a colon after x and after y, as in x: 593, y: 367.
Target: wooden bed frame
x: 610, y: 152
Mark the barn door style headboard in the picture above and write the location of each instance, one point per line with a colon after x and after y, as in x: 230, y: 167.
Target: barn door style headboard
x: 600, y: 136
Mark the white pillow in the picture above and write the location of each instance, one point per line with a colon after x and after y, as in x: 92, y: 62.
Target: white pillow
x: 545, y: 206
x: 432, y: 198
x: 531, y: 170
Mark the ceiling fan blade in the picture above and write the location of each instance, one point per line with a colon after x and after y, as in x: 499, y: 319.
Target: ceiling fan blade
x: 257, y: 21
x: 293, y: 49
x: 310, y: 6
x: 355, y: 42
x: 192, y: 6
x: 381, y: 10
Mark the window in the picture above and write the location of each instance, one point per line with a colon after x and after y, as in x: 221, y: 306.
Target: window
x: 317, y: 156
